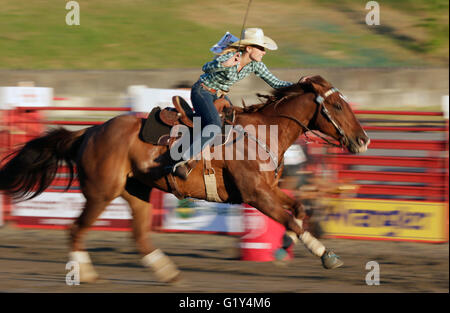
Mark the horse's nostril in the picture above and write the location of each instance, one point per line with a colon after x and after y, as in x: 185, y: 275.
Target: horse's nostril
x: 363, y: 140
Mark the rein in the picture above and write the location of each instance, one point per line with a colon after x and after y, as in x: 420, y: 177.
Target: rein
x: 262, y: 144
x: 320, y: 100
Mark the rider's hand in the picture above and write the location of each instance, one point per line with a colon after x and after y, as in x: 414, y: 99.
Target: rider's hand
x: 234, y: 60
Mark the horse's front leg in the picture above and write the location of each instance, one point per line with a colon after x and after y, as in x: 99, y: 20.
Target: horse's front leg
x: 256, y: 190
x: 293, y: 205
x: 329, y: 259
x: 303, y: 218
x: 269, y: 202
x: 296, y: 208
x: 277, y: 207
x: 295, y: 230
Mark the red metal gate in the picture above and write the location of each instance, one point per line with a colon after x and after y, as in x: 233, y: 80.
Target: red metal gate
x: 417, y: 178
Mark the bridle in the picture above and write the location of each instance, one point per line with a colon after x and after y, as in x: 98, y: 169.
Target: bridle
x: 320, y: 100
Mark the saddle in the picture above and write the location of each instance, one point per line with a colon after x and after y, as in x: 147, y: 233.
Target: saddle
x: 181, y: 113
x: 156, y: 128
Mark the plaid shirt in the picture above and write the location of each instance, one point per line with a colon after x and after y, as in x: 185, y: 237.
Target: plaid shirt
x: 220, y: 77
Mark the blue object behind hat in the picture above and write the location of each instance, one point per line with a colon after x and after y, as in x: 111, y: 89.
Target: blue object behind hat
x: 224, y: 42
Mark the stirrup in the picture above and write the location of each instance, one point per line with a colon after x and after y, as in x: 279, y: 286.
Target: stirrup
x: 178, y: 164
x: 181, y: 170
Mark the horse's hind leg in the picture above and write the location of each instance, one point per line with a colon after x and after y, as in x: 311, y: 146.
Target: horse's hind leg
x: 164, y: 269
x: 92, y: 210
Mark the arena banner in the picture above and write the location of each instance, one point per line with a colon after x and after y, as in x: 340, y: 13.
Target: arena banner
x: 386, y: 220
x: 25, y: 96
x: 144, y: 99
x: 201, y: 216
x: 58, y: 210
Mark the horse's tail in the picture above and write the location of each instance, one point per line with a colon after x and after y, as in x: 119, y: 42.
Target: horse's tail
x: 30, y: 169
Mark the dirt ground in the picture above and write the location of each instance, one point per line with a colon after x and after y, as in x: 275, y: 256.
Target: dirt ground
x: 34, y: 260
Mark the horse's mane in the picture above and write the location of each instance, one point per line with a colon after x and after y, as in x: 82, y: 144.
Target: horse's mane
x: 284, y: 92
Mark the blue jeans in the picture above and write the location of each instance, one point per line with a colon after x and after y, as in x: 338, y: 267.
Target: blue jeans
x: 203, y: 103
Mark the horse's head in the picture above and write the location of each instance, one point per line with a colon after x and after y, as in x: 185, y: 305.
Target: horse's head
x: 334, y: 116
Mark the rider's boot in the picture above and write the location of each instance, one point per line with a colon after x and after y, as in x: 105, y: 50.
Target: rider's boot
x: 191, y: 157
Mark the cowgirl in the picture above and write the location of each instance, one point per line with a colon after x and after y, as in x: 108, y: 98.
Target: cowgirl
x: 236, y: 62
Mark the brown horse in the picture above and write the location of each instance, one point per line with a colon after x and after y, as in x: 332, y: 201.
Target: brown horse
x: 113, y: 161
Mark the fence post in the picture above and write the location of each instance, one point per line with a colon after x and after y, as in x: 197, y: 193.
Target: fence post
x: 445, y: 110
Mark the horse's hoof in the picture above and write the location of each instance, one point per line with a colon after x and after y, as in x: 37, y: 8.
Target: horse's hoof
x: 281, y: 257
x: 330, y: 260
x: 177, y: 281
x: 171, y: 277
x: 96, y: 280
x: 89, y: 279
x: 88, y: 274
x: 280, y: 254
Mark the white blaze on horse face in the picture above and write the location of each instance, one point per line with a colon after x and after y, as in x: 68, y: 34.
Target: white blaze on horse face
x: 365, y: 146
x: 362, y: 145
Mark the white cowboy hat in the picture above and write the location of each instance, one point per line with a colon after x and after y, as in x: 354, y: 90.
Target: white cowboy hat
x: 255, y: 36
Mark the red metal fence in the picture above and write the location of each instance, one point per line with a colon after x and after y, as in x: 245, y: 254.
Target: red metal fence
x: 421, y: 177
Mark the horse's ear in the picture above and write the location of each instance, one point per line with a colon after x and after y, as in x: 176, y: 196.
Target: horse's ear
x: 306, y: 84
x: 303, y: 79
x: 313, y: 83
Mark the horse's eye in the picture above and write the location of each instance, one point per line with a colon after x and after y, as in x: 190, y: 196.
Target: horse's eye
x: 338, y: 106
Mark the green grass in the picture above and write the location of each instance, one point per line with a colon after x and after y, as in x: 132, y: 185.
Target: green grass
x: 430, y: 16
x: 112, y: 34
x: 139, y: 34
